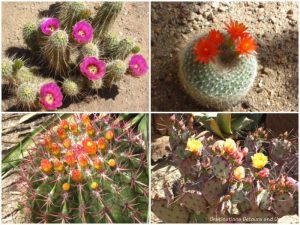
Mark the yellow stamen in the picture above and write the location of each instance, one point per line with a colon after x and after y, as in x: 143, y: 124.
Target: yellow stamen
x: 49, y: 98
x: 93, y: 69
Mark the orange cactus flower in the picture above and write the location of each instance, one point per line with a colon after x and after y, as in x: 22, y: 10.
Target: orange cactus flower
x: 64, y: 124
x: 205, y: 50
x: 109, y: 135
x: 94, y: 185
x: 76, y: 176
x: 66, y: 186
x: 67, y: 143
x: 245, y: 45
x: 90, y: 146
x: 239, y: 173
x: 70, y: 158
x: 236, y: 29
x: 61, y: 133
x: 90, y: 130
x: 74, y: 128
x: 98, y: 165
x: 55, y: 149
x: 47, y: 142
x: 102, y: 144
x: 216, y: 37
x: 58, y: 166
x: 85, y: 119
x: 46, y: 166
x: 112, y: 163
x: 83, y: 160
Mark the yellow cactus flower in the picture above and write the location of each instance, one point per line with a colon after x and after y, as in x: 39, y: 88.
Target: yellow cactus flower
x: 259, y: 160
x: 239, y: 173
x: 194, y: 146
x: 94, y: 185
x: 66, y: 186
x: 229, y: 146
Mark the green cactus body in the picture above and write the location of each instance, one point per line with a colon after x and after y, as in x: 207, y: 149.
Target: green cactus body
x: 109, y: 44
x: 220, y: 168
x: 96, y: 84
x: 7, y: 69
x: 280, y: 149
x: 56, y: 52
x: 27, y: 94
x: 72, y: 12
x: 73, y: 175
x: 24, y: 75
x: 30, y: 35
x: 105, y: 18
x: 114, y: 72
x: 216, y: 85
x: 123, y: 49
x: 71, y: 88
x: 90, y: 49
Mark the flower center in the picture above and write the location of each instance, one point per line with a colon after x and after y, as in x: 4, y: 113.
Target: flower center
x: 49, y: 98
x: 81, y: 33
x: 51, y: 28
x: 93, y: 69
x: 89, y: 144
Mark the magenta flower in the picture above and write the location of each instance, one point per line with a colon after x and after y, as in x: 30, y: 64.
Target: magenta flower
x: 51, y: 96
x: 49, y: 25
x: 92, y: 68
x: 138, y: 65
x: 83, y: 32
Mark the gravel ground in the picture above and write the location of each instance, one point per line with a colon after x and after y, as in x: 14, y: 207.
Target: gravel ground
x: 275, y: 27
x: 132, y: 22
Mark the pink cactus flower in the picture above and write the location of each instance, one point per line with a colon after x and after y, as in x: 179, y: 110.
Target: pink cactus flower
x: 93, y: 68
x: 49, y: 25
x: 138, y: 65
x: 245, y: 151
x: 291, y: 183
x: 83, y: 32
x: 51, y: 96
x: 264, y: 173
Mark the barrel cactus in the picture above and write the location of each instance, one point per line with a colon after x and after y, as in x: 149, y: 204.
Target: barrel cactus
x: 87, y: 169
x: 218, y: 69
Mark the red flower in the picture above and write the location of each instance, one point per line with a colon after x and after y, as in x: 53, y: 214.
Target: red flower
x: 245, y: 45
x: 55, y: 149
x: 216, y: 37
x: 61, y: 133
x: 109, y: 135
x: 58, y: 166
x: 64, y: 124
x: 46, y: 166
x: 70, y: 158
x: 90, y: 146
x: 90, y: 130
x: 67, y: 143
x: 98, y: 165
x: 83, y: 160
x: 236, y: 29
x: 102, y: 144
x: 205, y: 50
x: 85, y: 119
x: 74, y: 128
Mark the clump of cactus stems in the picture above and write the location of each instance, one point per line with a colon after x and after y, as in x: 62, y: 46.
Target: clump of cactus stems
x: 218, y: 69
x: 219, y: 182
x: 78, y: 52
x: 86, y: 169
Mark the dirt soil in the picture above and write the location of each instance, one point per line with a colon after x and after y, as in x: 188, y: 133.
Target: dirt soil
x: 275, y: 28
x: 131, y: 95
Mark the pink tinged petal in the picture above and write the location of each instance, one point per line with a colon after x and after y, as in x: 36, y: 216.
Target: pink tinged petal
x: 92, y: 68
x: 49, y: 25
x: 138, y: 65
x: 51, y: 96
x: 83, y: 32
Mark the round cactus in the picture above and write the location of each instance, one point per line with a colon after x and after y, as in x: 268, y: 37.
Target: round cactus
x: 7, y: 69
x: 220, y: 84
x: 72, y: 12
x: 27, y: 94
x: 105, y: 18
x: 24, y: 75
x: 96, y: 84
x: 71, y: 88
x: 115, y: 71
x: 86, y: 170
x: 110, y: 43
x: 89, y: 50
x: 124, y: 48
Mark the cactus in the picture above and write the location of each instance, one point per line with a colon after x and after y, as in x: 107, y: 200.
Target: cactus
x: 56, y: 52
x: 62, y: 45
x: 105, y: 18
x: 86, y: 170
x: 27, y: 95
x: 115, y: 71
x: 217, y: 69
x: 30, y: 35
x: 220, y: 181
x: 72, y: 12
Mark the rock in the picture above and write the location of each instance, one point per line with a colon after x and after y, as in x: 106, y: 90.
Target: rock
x: 222, y: 9
x: 160, y: 148
x: 215, y: 5
x: 289, y: 219
x: 290, y: 12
